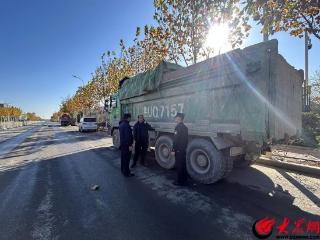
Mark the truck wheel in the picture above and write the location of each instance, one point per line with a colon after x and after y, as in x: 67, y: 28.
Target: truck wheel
x: 228, y: 164
x: 116, y: 138
x: 163, y: 152
x: 205, y: 163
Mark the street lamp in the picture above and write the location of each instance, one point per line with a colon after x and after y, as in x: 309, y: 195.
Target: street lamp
x: 75, y: 76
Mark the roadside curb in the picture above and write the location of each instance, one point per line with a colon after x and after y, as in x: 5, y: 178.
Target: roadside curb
x: 289, y: 166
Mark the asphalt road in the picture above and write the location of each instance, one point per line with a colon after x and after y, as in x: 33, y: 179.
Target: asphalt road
x: 46, y: 174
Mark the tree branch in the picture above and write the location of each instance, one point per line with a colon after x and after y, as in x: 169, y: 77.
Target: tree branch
x: 317, y: 35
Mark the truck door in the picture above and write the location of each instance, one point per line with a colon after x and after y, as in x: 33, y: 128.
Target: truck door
x: 126, y: 108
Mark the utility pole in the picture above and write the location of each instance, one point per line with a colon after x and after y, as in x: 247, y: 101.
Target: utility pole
x: 306, y: 97
x: 265, y: 34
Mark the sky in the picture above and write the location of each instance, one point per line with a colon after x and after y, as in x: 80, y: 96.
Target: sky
x: 44, y: 42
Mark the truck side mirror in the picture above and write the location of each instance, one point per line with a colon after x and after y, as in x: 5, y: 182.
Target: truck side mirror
x: 113, y: 102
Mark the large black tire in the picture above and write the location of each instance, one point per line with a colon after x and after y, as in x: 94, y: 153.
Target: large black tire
x: 116, y: 138
x: 228, y: 163
x: 163, y: 152
x: 205, y: 163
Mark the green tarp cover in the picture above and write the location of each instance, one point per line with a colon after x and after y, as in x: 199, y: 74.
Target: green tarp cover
x: 145, y: 82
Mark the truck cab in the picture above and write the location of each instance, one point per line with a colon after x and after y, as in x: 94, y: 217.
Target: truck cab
x: 112, y: 106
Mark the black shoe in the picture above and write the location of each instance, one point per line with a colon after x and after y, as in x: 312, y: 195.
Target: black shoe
x: 133, y: 165
x: 129, y: 175
x: 179, y: 184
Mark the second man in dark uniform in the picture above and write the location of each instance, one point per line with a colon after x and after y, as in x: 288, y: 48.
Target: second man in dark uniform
x: 141, y: 138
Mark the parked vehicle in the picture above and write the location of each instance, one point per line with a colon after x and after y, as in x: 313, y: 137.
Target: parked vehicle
x: 88, y: 124
x: 73, y: 122
x: 235, y: 105
x: 65, y: 119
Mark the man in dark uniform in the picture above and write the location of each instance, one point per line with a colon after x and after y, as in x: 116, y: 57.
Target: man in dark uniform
x: 179, y: 149
x: 126, y: 141
x: 141, y: 138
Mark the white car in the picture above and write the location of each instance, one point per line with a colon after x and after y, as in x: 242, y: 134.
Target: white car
x: 88, y: 124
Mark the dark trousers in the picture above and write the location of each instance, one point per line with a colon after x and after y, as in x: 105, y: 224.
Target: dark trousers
x: 140, y: 150
x: 181, y: 167
x: 125, y: 160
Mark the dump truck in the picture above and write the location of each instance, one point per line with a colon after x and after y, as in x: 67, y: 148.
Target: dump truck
x: 66, y: 120
x: 235, y: 104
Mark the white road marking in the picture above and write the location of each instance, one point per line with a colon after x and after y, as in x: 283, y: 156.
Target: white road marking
x: 43, y: 226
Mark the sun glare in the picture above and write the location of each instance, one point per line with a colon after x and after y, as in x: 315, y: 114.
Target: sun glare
x: 217, y: 38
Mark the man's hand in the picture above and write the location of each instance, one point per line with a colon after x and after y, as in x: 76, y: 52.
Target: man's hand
x: 130, y: 148
x: 173, y: 154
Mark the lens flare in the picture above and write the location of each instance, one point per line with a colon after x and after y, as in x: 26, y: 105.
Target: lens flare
x: 218, y: 38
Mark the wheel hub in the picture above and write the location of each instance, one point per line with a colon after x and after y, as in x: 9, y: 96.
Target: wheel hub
x: 202, y: 161
x: 165, y: 151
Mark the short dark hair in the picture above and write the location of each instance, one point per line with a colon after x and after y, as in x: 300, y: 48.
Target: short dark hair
x: 126, y: 116
x: 180, y: 115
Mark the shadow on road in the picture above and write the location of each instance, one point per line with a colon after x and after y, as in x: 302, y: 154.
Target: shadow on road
x: 302, y: 188
x: 261, y: 198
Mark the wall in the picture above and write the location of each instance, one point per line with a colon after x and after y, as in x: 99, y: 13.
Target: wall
x: 12, y: 124
x: 288, y: 99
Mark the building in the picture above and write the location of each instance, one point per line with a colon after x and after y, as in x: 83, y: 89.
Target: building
x: 2, y: 105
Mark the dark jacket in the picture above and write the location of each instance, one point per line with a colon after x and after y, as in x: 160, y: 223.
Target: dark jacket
x: 140, y: 133
x: 180, y: 139
x: 126, y: 138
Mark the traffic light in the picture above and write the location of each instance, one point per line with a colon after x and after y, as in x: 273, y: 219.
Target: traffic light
x: 106, y: 104
x: 309, y: 44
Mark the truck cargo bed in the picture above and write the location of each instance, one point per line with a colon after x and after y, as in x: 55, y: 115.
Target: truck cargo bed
x: 251, y: 92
